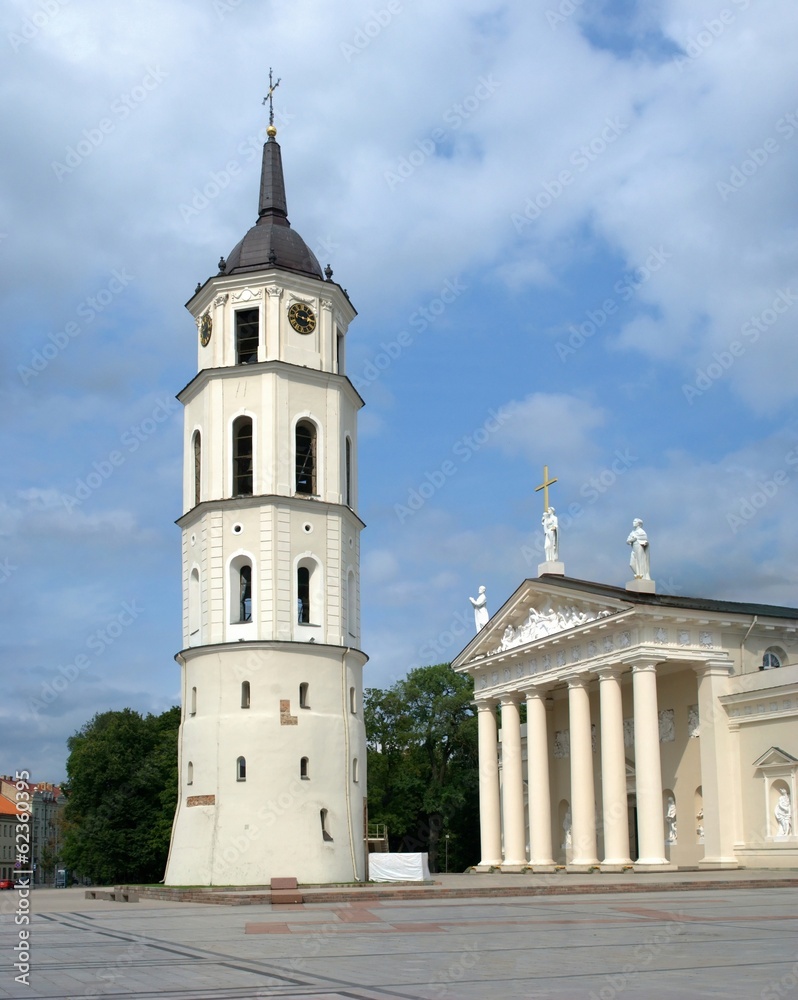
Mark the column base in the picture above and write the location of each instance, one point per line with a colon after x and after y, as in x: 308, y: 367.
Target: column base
x: 654, y: 866
x: 487, y: 866
x: 718, y: 864
x: 581, y: 867
x: 616, y: 866
x: 642, y: 586
x: 543, y: 867
x: 514, y: 868
x: 552, y: 568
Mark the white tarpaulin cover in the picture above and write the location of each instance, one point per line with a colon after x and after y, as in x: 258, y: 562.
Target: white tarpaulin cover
x: 398, y: 868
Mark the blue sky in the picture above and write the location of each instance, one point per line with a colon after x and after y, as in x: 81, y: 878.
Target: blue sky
x: 569, y: 230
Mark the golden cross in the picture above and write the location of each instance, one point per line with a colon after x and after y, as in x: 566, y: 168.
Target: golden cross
x: 270, y: 95
x: 545, y: 487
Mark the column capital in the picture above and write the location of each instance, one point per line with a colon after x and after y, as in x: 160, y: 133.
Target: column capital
x: 486, y: 704
x: 511, y: 698
x: 646, y: 666
x: 610, y: 672
x: 537, y: 691
x: 578, y: 680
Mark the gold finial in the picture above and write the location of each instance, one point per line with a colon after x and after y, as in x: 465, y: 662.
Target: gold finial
x: 271, y: 131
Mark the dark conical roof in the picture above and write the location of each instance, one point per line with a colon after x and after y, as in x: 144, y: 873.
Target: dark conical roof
x: 272, y: 242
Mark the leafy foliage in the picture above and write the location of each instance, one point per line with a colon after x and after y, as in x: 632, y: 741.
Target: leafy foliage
x: 122, y: 778
x: 423, y: 770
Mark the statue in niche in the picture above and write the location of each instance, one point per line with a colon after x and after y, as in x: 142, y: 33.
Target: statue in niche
x: 551, y: 535
x: 700, y: 827
x: 480, y: 604
x: 639, y: 559
x: 670, y: 821
x: 566, y: 829
x: 783, y: 814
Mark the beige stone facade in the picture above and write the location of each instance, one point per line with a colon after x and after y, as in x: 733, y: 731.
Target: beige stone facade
x: 660, y: 731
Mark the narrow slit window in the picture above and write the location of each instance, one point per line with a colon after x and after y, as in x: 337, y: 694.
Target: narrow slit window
x: 245, y: 694
x: 325, y: 830
x: 353, y: 701
x: 190, y: 774
x: 304, y: 774
x: 241, y: 769
x: 306, y: 458
x: 247, y: 336
x: 193, y: 703
x: 303, y: 595
x: 197, y: 467
x: 303, y: 695
x: 242, y: 457
x: 355, y: 771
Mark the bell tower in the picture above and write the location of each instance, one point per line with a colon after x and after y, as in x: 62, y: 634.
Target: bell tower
x: 272, y: 751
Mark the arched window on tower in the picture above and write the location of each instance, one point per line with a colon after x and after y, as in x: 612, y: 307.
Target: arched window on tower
x: 247, y: 336
x: 303, y: 595
x: 197, y: 467
x: 245, y: 593
x: 306, y: 458
x: 242, y: 457
x: 245, y: 694
x: 303, y: 769
x: 241, y: 769
x: 348, y: 473
x: 190, y: 773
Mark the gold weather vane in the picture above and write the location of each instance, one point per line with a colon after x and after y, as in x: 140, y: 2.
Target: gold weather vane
x: 545, y: 487
x: 270, y: 97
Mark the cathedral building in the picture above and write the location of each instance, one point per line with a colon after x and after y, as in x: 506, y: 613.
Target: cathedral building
x: 272, y: 750
x: 660, y: 731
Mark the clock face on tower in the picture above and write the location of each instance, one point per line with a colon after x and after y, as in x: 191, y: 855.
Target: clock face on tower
x: 206, y: 328
x: 302, y: 318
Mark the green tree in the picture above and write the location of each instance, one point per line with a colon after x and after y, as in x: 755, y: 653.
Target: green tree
x: 423, y: 764
x: 122, y: 779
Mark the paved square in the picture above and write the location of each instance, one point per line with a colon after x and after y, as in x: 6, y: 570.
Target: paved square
x: 725, y: 942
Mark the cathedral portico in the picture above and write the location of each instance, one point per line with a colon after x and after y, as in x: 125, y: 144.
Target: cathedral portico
x: 635, y: 734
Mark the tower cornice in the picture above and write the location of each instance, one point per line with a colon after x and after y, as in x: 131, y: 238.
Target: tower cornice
x: 295, y: 501
x: 313, y: 376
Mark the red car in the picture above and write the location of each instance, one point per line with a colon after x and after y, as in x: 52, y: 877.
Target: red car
x: 6, y: 883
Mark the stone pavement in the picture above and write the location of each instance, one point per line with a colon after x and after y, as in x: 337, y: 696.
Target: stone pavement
x: 728, y: 934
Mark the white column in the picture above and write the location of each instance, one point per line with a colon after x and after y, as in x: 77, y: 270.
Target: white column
x: 512, y: 785
x: 648, y: 771
x: 489, y: 812
x: 613, y: 769
x: 537, y: 768
x: 583, y: 801
x: 717, y: 782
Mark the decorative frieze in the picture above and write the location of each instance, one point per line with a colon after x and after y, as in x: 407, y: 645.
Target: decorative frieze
x: 667, y: 729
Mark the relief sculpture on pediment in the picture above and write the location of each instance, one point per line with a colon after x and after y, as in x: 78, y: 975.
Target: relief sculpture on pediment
x: 549, y: 619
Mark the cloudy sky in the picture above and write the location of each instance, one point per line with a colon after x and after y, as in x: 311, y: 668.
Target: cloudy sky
x: 570, y: 232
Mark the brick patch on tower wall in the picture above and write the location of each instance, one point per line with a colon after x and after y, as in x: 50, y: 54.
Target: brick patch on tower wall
x: 201, y: 800
x: 286, y: 719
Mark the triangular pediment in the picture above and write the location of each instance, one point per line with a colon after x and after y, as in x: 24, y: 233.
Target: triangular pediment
x: 536, y: 612
x: 775, y: 757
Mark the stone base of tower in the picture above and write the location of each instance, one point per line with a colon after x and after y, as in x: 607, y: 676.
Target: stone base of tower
x: 272, y: 781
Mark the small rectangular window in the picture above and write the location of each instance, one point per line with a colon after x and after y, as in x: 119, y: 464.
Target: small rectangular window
x: 303, y: 695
